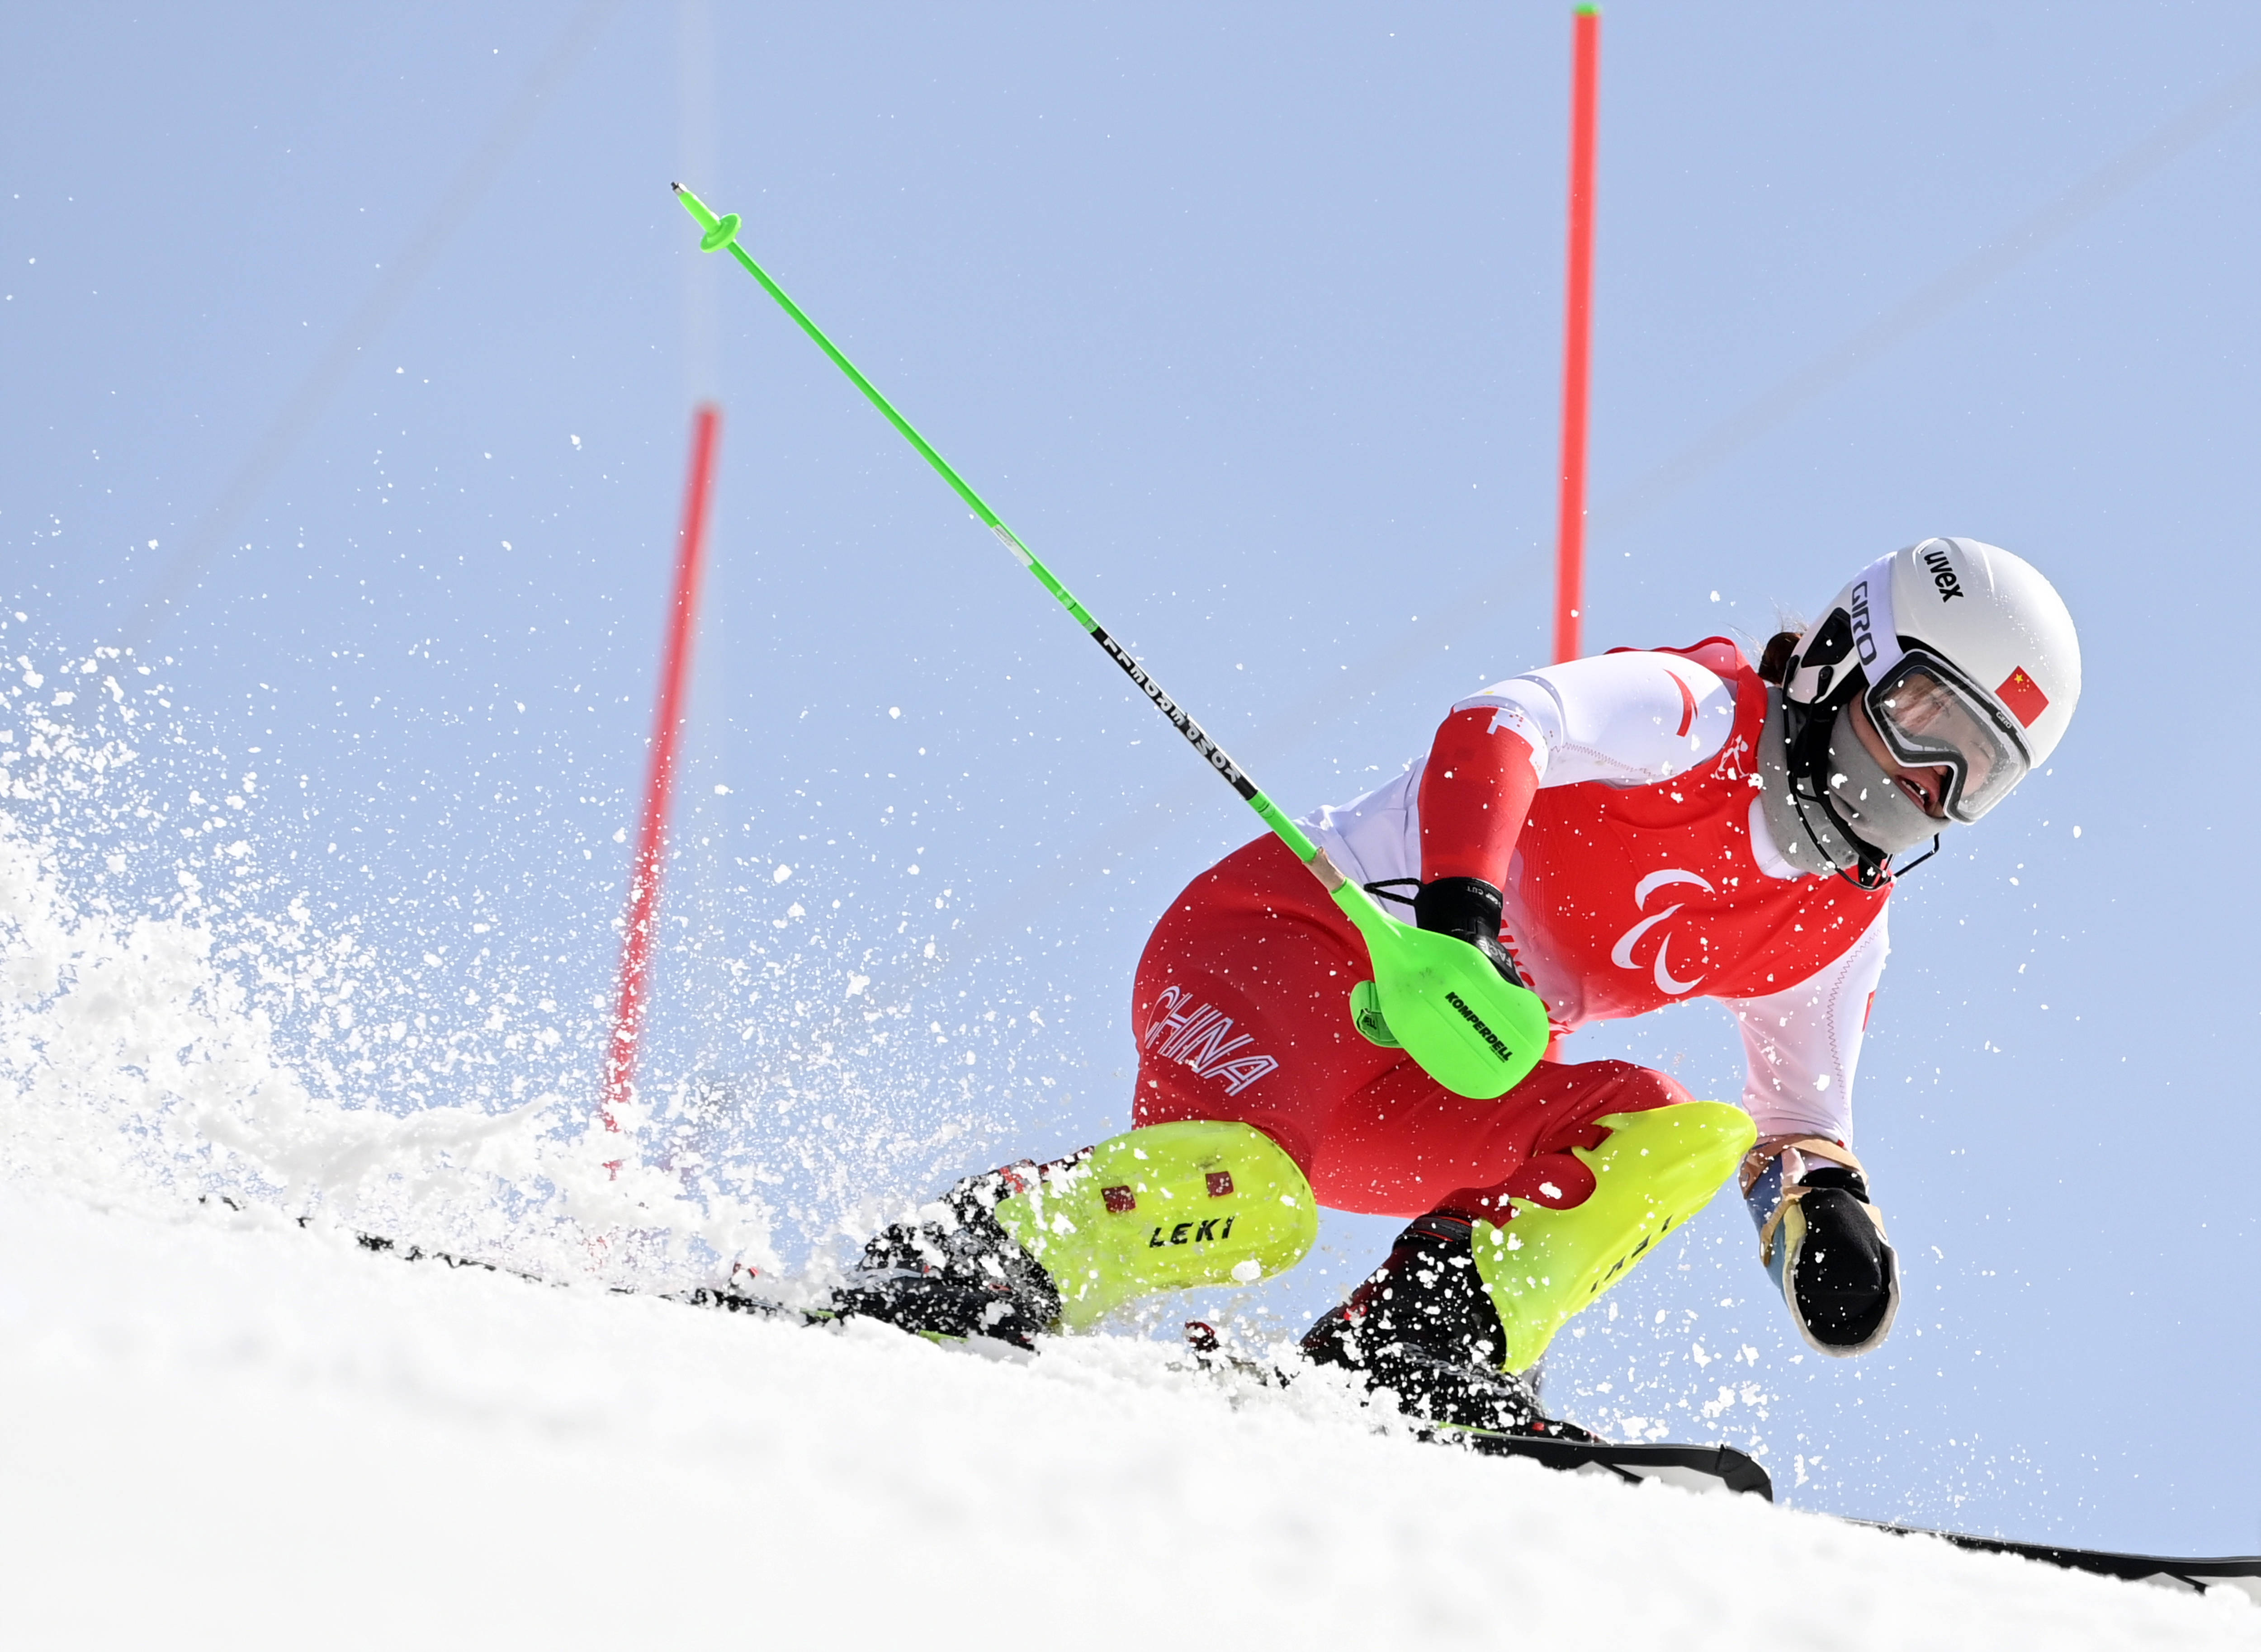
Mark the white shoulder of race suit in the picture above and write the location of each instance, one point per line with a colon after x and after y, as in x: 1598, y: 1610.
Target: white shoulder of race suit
x: 1637, y: 719
x: 1623, y: 720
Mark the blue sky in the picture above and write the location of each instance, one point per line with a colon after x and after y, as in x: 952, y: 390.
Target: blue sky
x: 1249, y: 323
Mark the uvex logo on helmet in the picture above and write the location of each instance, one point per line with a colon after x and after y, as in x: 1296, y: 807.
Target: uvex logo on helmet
x: 1942, y: 574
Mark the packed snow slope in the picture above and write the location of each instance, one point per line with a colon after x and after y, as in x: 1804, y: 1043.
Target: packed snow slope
x: 226, y: 1429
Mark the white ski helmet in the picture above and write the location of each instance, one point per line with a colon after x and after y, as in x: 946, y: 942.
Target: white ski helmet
x: 1964, y: 658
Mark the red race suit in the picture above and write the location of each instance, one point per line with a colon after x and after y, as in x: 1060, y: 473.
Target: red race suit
x: 1615, y: 801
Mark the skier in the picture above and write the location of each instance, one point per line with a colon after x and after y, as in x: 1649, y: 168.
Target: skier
x: 1619, y: 833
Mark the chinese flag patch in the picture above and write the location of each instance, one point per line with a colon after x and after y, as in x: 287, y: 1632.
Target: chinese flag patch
x: 2023, y: 696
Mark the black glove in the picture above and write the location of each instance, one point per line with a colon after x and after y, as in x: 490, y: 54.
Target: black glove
x: 1840, y: 1277
x: 1467, y: 909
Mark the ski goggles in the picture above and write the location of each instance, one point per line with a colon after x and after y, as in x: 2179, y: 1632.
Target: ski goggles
x: 1931, y: 716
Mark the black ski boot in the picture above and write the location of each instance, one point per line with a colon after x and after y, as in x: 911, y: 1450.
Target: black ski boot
x: 1423, y: 1326
x: 953, y: 1272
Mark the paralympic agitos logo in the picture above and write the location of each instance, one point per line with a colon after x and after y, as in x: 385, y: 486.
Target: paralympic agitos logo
x: 1661, y: 970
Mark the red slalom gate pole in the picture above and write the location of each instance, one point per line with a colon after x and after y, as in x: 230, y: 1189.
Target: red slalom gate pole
x: 659, y: 784
x: 1577, y: 342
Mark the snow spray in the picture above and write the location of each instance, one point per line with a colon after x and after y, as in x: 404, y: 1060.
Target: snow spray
x: 179, y: 1028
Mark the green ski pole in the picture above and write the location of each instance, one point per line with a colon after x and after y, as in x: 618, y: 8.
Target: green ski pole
x: 1437, y: 997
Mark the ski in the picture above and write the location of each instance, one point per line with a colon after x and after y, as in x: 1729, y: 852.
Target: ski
x: 725, y: 1297
x: 1691, y: 1468
x: 1555, y: 1445
x: 2241, y: 1572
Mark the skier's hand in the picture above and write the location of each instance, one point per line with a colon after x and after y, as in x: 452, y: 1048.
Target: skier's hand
x: 1828, y: 1253
x: 1467, y: 909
